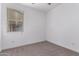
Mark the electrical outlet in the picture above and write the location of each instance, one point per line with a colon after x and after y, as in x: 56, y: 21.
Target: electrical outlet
x: 73, y: 43
x: 13, y: 41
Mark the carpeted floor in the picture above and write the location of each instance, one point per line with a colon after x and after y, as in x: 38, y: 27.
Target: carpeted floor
x: 39, y: 49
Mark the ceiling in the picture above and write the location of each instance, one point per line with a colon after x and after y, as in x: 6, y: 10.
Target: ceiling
x: 42, y: 6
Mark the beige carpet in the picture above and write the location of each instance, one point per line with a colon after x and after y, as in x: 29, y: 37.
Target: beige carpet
x: 39, y: 49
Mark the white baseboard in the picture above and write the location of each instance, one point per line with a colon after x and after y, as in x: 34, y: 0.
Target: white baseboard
x: 64, y: 46
x: 23, y: 44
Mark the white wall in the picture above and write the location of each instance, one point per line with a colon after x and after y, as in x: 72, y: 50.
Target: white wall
x: 0, y: 26
x: 34, y: 22
x: 63, y: 26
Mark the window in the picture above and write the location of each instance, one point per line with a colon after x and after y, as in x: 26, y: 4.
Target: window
x: 14, y: 20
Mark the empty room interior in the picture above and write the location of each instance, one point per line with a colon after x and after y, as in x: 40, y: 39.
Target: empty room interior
x: 39, y: 29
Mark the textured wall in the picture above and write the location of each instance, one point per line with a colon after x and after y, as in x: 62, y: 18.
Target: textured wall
x: 34, y: 22
x: 63, y: 26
